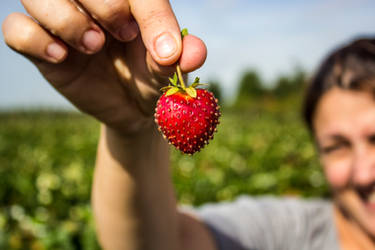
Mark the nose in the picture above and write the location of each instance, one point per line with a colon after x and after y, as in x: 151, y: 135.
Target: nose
x: 364, y: 166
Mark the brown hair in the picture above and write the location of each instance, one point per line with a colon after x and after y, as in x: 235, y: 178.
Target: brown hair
x: 349, y: 67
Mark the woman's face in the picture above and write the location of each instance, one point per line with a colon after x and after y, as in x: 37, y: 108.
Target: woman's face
x: 344, y: 126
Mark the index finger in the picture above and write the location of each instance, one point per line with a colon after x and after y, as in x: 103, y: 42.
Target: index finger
x: 159, y: 29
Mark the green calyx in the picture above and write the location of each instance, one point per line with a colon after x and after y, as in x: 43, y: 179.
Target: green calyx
x: 177, y: 84
x: 184, y: 32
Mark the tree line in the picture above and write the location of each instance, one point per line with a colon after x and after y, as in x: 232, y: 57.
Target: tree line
x: 252, y: 89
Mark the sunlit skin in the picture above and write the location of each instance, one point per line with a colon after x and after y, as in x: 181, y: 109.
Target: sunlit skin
x: 344, y: 127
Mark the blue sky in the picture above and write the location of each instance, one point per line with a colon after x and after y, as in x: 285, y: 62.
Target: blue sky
x: 269, y: 36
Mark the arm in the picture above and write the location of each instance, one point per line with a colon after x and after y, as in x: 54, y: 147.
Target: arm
x: 133, y: 197
x: 112, y: 67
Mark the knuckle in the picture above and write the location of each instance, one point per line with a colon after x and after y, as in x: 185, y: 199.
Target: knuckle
x: 112, y: 11
x: 154, y: 17
x: 24, y: 2
x: 63, y: 22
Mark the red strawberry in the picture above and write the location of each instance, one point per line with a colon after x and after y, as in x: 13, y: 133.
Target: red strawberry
x: 187, y: 116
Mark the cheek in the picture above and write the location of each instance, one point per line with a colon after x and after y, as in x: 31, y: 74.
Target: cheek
x: 337, y: 172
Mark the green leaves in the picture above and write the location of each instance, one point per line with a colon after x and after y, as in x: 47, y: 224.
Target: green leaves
x: 192, y: 92
x: 184, y: 32
x: 166, y: 88
x: 176, y: 83
x: 172, y: 91
x: 196, y: 83
x: 174, y: 80
x: 175, y: 87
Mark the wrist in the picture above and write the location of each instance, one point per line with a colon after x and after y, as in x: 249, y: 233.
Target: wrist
x: 134, y: 139
x: 139, y: 149
x: 129, y: 129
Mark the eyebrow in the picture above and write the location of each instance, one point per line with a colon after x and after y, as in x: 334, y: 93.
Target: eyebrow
x: 334, y: 137
x: 337, y: 137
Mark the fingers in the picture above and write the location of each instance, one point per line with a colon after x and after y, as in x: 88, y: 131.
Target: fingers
x: 25, y: 36
x: 159, y: 29
x: 193, y: 56
x: 114, y: 16
x: 63, y: 19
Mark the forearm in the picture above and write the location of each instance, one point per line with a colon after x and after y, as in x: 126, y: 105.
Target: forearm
x: 133, y: 199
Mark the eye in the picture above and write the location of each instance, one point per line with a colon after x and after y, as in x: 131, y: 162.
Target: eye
x: 334, y: 147
x: 371, y: 139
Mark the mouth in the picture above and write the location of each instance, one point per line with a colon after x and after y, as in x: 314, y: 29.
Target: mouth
x: 368, y: 196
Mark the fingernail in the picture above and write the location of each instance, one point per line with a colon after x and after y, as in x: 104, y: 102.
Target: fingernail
x: 55, y: 51
x: 129, y: 31
x: 165, y: 45
x: 91, y: 40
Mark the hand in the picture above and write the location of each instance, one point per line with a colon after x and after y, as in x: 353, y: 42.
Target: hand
x: 108, y: 57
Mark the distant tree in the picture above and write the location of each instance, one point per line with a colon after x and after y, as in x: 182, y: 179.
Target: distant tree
x: 284, y: 86
x: 215, y: 88
x: 250, y: 86
x: 288, y: 85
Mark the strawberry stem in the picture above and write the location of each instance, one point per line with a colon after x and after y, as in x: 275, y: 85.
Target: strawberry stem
x: 180, y: 78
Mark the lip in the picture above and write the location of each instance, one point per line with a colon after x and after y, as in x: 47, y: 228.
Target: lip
x: 364, y: 194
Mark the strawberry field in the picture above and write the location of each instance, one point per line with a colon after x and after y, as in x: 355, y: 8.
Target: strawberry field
x: 47, y: 160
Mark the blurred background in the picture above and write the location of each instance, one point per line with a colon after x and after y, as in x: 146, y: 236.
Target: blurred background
x: 260, y: 55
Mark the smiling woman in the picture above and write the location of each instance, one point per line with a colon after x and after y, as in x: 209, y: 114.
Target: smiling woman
x: 344, y: 130
x: 340, y: 111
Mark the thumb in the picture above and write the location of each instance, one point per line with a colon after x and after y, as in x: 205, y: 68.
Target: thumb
x: 159, y: 29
